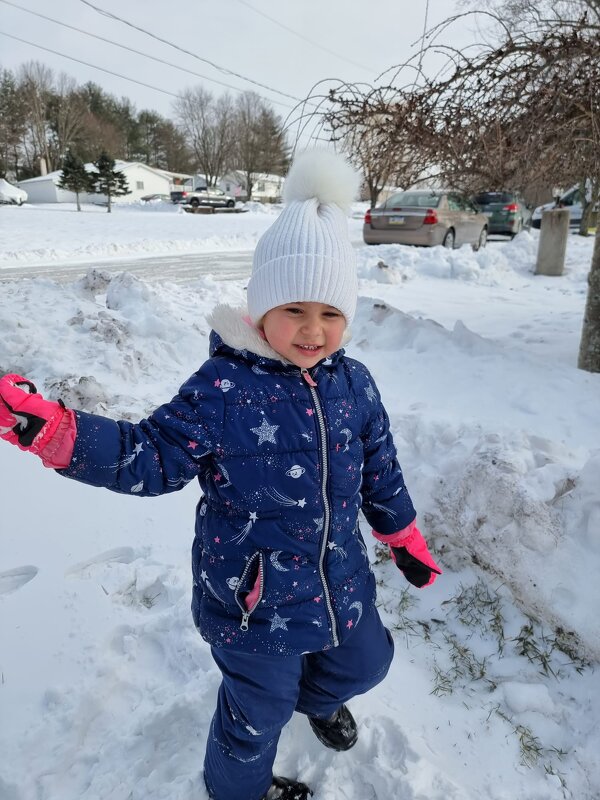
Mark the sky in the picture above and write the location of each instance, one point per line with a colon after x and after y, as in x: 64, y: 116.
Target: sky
x: 289, y: 47
x: 106, y: 689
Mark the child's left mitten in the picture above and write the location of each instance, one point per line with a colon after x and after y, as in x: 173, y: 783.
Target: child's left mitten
x: 30, y: 422
x: 409, y: 552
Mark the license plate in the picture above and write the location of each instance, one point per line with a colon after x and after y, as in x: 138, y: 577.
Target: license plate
x: 396, y: 220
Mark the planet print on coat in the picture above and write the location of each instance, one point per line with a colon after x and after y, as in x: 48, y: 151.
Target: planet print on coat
x: 296, y: 471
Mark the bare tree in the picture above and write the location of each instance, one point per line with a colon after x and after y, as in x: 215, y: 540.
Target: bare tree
x: 521, y: 110
x: 35, y: 88
x: 524, y: 107
x: 209, y: 126
x: 382, y: 134
x: 67, y: 113
x: 524, y: 12
x: 259, y: 139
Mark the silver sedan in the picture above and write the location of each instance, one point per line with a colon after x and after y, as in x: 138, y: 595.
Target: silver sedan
x: 426, y: 218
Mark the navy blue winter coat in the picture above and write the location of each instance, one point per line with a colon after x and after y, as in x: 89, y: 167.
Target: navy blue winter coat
x: 284, y: 468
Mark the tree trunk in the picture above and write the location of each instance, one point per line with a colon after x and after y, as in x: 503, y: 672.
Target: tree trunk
x: 109, y: 209
x: 589, y: 349
x: 78, y: 203
x: 586, y: 217
x: 374, y: 192
x: 587, y: 206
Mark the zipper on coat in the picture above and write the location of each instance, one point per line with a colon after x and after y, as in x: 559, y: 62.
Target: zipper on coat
x: 312, y: 385
x: 247, y: 612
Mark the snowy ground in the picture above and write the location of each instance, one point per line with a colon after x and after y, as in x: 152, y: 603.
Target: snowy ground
x: 106, y: 690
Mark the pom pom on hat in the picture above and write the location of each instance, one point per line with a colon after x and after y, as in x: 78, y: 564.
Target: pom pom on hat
x: 306, y: 255
x: 322, y: 175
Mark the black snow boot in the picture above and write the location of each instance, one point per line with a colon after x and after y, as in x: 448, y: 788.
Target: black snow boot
x: 338, y: 732
x: 286, y: 789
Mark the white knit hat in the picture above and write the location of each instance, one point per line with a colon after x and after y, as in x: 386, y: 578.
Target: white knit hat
x: 306, y: 255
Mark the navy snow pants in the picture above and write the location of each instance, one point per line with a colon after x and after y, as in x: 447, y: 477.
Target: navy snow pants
x: 259, y: 694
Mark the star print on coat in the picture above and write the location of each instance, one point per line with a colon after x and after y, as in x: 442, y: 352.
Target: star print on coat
x: 284, y: 500
x: 127, y: 460
x: 246, y: 529
x: 279, y: 622
x: 266, y: 432
x: 226, y: 474
x: 207, y: 583
x: 339, y: 550
x: 371, y: 394
x: 384, y: 509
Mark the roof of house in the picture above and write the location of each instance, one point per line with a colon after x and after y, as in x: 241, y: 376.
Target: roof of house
x: 121, y: 166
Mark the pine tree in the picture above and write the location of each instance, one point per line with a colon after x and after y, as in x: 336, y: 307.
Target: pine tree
x: 75, y: 177
x: 109, y: 181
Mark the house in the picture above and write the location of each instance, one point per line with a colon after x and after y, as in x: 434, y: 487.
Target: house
x: 141, y: 179
x: 181, y: 180
x: 265, y: 188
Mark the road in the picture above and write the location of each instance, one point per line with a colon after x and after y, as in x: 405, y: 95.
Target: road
x: 179, y: 268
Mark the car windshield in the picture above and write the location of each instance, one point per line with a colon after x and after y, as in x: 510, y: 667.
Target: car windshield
x: 487, y: 198
x: 418, y: 199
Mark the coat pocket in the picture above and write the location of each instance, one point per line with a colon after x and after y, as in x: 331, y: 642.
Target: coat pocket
x: 250, y: 588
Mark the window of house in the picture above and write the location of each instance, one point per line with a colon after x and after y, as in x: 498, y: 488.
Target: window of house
x: 139, y: 184
x: 260, y: 186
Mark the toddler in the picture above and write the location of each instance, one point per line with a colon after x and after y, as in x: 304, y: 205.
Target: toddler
x: 288, y: 439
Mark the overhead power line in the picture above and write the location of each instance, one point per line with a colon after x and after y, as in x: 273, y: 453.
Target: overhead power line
x: 131, y: 49
x: 224, y: 70
x: 301, y: 36
x: 87, y: 64
x: 424, y: 34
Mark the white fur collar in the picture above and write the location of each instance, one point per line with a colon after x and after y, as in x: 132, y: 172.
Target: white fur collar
x: 237, y: 331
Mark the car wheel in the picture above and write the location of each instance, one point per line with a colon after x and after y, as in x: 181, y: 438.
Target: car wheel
x: 230, y: 203
x: 482, y: 240
x: 449, y: 240
x: 194, y: 202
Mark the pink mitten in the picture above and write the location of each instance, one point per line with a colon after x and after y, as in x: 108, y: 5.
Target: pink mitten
x: 42, y: 427
x: 411, y: 556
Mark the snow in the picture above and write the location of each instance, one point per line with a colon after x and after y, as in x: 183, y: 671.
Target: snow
x: 59, y: 233
x: 106, y: 690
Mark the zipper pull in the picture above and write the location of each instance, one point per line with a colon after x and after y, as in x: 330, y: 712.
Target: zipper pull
x: 245, y: 618
x: 307, y: 377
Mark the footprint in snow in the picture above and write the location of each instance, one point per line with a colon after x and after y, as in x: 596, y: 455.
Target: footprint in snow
x: 119, y: 555
x: 13, y: 579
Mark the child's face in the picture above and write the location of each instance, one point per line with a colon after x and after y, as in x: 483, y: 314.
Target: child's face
x: 304, y: 333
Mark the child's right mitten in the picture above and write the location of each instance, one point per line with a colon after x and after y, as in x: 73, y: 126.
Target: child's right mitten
x: 42, y: 427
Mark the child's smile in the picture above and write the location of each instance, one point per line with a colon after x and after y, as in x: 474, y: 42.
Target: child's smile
x: 304, y: 333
